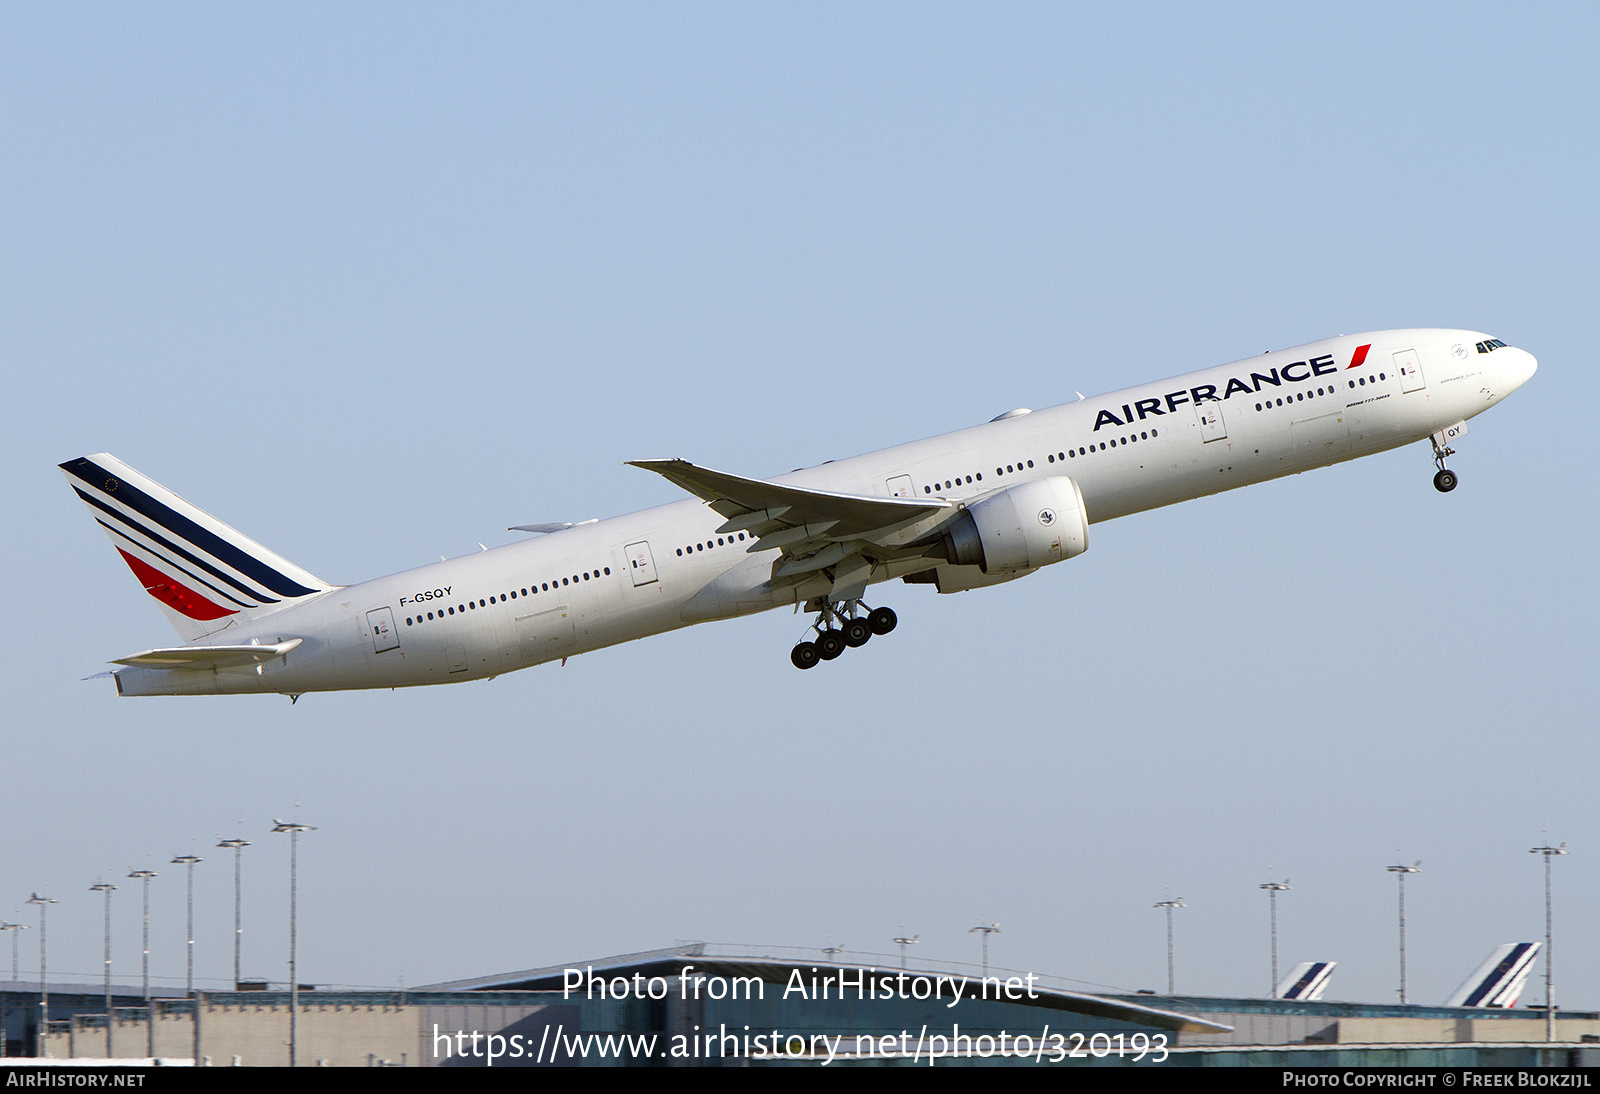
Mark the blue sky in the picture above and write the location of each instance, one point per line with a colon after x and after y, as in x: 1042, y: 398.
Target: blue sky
x: 374, y: 283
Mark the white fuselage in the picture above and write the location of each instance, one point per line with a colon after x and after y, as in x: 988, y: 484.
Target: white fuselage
x: 581, y: 589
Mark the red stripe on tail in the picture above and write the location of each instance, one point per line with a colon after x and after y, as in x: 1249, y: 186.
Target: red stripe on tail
x: 175, y: 596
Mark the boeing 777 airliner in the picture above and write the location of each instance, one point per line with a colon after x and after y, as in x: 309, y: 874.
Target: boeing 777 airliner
x: 960, y: 511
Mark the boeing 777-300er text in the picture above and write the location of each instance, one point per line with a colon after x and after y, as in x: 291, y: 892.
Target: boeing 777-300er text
x: 967, y: 509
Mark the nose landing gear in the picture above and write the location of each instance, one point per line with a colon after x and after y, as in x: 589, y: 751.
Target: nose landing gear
x: 1444, y: 480
x: 839, y: 628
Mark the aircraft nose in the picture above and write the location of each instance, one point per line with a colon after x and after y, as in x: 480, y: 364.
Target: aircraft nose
x: 1518, y: 367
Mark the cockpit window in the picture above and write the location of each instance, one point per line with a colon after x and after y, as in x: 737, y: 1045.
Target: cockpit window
x: 1491, y: 345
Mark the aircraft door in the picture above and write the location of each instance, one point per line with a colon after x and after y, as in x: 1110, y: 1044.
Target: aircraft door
x: 640, y: 563
x: 1212, y: 427
x: 1320, y: 437
x: 547, y: 633
x: 1409, y: 365
x: 384, y: 636
x: 900, y: 487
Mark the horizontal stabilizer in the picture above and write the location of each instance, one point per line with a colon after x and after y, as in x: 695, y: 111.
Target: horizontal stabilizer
x: 208, y: 657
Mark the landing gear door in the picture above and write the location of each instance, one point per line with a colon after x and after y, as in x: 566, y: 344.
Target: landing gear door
x: 1409, y: 366
x: 1212, y: 427
x: 384, y: 636
x: 640, y: 563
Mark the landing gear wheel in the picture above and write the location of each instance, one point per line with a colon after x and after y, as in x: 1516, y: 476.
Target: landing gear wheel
x: 830, y: 644
x: 857, y: 632
x: 882, y: 620
x: 1444, y: 481
x: 804, y: 655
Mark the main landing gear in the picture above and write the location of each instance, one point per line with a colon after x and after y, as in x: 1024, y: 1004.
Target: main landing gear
x: 1444, y: 480
x: 839, y: 628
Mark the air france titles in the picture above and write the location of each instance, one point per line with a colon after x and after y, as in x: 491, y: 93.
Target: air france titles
x: 1297, y: 373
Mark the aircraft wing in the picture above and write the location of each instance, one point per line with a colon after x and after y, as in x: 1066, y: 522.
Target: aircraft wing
x: 204, y: 657
x: 734, y: 497
x: 815, y: 529
x: 556, y: 526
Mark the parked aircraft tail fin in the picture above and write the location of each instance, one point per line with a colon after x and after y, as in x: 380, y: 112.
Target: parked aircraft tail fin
x: 1307, y: 980
x: 1498, y: 982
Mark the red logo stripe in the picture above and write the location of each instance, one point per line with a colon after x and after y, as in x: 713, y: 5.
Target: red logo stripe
x: 1359, y: 356
x: 178, y: 597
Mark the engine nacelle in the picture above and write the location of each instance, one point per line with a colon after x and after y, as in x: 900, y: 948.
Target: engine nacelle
x: 1022, y: 528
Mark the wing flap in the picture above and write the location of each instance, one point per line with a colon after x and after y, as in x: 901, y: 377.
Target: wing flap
x: 201, y: 657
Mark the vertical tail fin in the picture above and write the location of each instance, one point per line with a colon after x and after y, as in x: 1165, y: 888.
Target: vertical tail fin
x: 1499, y: 981
x: 206, y: 576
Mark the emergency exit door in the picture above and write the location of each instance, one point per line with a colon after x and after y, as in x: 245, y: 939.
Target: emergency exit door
x: 1212, y: 427
x: 1409, y: 366
x: 384, y: 636
x: 640, y: 563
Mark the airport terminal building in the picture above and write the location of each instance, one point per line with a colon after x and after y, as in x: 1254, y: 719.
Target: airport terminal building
x: 700, y: 1005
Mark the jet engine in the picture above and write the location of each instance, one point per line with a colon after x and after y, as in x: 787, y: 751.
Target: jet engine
x: 1022, y: 528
